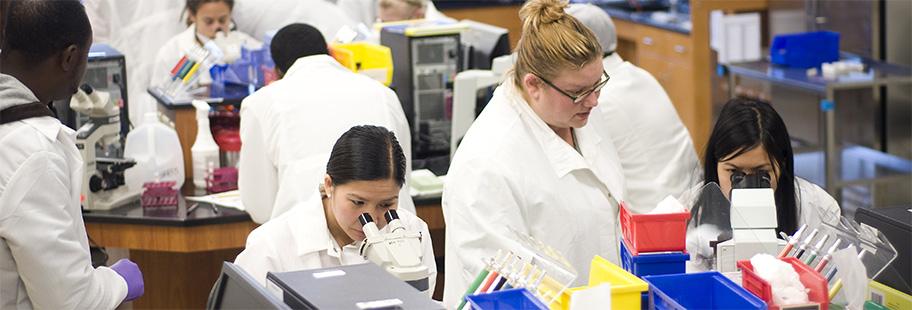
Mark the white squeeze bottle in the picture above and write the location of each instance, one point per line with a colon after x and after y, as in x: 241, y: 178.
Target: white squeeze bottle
x: 205, y: 152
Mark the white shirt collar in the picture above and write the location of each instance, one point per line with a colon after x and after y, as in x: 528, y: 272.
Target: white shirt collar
x: 309, y: 63
x: 563, y: 157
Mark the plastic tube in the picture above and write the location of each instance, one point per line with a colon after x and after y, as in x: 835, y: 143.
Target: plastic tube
x: 792, y: 241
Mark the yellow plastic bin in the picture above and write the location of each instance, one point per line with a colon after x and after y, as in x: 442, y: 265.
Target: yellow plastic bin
x: 369, y: 59
x: 626, y: 288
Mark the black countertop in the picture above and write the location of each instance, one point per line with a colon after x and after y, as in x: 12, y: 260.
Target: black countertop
x: 133, y: 213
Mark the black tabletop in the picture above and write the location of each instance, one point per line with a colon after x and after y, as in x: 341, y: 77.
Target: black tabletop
x: 202, y: 214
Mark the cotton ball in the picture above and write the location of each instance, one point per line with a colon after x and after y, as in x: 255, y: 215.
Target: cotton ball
x: 784, y: 281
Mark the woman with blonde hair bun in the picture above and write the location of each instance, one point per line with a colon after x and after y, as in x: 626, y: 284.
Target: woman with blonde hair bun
x: 530, y: 164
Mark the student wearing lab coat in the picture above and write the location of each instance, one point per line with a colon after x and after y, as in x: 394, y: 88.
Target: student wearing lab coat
x: 530, y: 163
x: 289, y: 126
x: 205, y: 18
x: 364, y: 174
x: 634, y: 111
x: 750, y: 137
x: 44, y: 251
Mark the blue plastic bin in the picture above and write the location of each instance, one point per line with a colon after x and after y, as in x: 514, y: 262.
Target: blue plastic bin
x: 653, y: 264
x: 517, y: 298
x: 805, y: 50
x: 705, y: 290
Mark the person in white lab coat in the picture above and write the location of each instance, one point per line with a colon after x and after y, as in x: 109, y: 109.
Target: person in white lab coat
x: 634, y: 111
x: 750, y: 138
x: 364, y: 175
x: 44, y: 250
x: 369, y: 12
x: 289, y: 127
x: 205, y: 18
x: 530, y: 164
x: 259, y: 18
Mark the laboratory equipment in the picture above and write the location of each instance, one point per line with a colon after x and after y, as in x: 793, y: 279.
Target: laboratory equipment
x: 517, y: 298
x: 236, y: 289
x: 653, y: 232
x: 792, y: 241
x: 160, y: 195
x: 829, y: 254
x: 805, y: 50
x: 482, y: 43
x: 753, y: 223
x: 157, y: 151
x: 467, y: 104
x: 647, y: 264
x: 397, y: 251
x: 205, y: 152
x: 99, y: 142
x: 375, y: 61
x: 426, y: 58
x: 361, y: 286
x: 896, y: 225
x: 106, y: 71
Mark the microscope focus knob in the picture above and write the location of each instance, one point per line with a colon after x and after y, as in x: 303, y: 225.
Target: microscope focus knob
x: 95, y: 184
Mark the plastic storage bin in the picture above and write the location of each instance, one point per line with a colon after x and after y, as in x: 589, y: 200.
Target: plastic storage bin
x: 705, y: 290
x: 372, y: 60
x: 653, y: 264
x: 654, y: 232
x: 805, y: 50
x: 518, y: 298
x: 810, y: 278
x: 626, y: 289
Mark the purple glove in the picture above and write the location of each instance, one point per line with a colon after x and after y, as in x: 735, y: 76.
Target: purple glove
x: 130, y: 272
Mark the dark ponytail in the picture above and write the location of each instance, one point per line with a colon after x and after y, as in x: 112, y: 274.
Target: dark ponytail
x: 743, y: 125
x: 366, y: 153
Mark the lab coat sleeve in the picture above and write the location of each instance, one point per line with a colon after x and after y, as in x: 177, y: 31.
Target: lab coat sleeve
x: 481, y: 206
x: 259, y: 256
x: 49, y: 245
x: 257, y: 174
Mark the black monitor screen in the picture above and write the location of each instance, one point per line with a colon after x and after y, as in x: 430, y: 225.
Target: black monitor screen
x: 236, y: 289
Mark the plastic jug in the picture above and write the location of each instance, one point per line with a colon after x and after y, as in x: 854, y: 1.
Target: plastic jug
x: 158, y: 154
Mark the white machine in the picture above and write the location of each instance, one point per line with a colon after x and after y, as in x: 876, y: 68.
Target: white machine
x: 398, y: 251
x: 753, y: 223
x: 465, y: 95
x: 98, y: 139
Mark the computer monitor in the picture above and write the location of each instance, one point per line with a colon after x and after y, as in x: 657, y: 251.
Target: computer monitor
x: 483, y: 43
x: 236, y: 289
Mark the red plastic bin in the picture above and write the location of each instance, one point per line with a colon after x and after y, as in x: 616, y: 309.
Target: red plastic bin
x: 654, y: 232
x: 810, y: 278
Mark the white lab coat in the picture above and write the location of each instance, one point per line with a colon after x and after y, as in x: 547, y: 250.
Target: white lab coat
x: 289, y: 127
x: 512, y: 172
x: 300, y: 239
x: 654, y: 147
x: 258, y: 17
x: 138, y: 29
x: 44, y: 252
x: 365, y: 11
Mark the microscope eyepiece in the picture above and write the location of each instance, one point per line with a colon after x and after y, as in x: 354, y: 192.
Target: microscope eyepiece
x: 391, y: 215
x: 87, y: 88
x: 365, y: 218
x: 758, y: 179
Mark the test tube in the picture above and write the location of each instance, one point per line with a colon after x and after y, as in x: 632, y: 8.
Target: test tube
x: 826, y: 258
x: 816, y: 249
x: 803, y: 245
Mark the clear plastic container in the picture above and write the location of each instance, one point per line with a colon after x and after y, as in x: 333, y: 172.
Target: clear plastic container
x: 157, y: 152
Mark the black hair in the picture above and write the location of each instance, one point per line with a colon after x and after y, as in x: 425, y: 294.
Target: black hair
x: 743, y: 125
x: 366, y: 153
x: 193, y: 6
x: 295, y: 41
x: 40, y: 29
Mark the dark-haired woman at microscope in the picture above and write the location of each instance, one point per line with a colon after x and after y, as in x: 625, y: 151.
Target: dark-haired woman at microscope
x: 750, y: 146
x: 366, y: 169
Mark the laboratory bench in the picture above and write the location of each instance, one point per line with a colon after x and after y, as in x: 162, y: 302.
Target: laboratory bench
x: 180, y: 253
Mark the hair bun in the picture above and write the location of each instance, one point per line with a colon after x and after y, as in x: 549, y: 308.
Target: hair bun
x: 540, y: 12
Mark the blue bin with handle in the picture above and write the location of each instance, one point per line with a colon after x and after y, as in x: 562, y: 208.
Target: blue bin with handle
x: 805, y: 50
x: 648, y: 264
x: 512, y: 299
x: 705, y: 290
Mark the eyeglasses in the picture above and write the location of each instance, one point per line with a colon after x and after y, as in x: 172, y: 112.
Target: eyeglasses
x: 579, y: 97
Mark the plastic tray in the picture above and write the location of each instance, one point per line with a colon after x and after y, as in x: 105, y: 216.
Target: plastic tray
x: 705, y: 290
x: 654, y: 232
x: 517, y: 298
x: 810, y: 278
x: 626, y: 289
x: 653, y: 264
x: 805, y: 50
